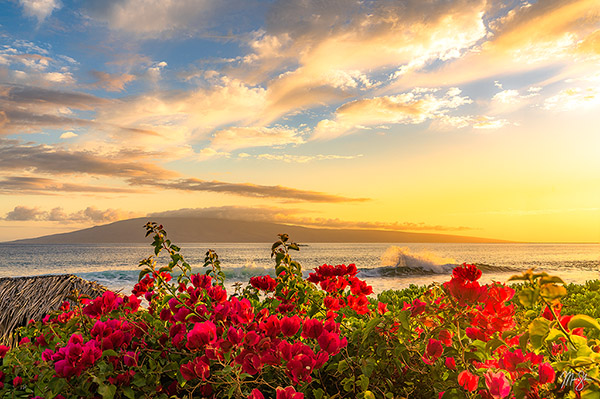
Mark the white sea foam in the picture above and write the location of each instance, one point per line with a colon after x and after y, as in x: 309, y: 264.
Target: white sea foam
x: 425, y: 261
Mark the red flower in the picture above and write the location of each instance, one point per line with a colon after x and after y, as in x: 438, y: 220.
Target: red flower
x: 17, y: 381
x: 3, y: 350
x: 271, y: 326
x: 330, y: 342
x: 382, y: 308
x: 450, y: 363
x: 546, y: 373
x: 466, y: 272
x: 312, y: 328
x: 497, y: 384
x: 264, y: 283
x: 201, y: 335
x: 468, y: 381
x: 446, y: 337
x: 256, y: 394
x: 289, y: 393
x: 433, y: 351
x: 290, y: 325
x: 197, y: 368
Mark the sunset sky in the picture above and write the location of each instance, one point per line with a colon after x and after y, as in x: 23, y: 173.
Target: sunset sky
x: 457, y: 117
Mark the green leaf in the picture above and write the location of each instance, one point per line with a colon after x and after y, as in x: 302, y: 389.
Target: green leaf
x: 128, y: 392
x: 342, y: 366
x: 584, y: 321
x: 369, y: 327
x: 551, y: 279
x: 554, y: 335
x: 363, y: 382
x: 538, y: 330
x: 552, y: 291
x: 527, y: 297
x: 369, y: 395
x: 293, y: 246
x: 143, y: 273
x: 107, y: 391
x: 109, y: 352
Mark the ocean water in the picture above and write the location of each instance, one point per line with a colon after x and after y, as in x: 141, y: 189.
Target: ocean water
x: 384, y: 266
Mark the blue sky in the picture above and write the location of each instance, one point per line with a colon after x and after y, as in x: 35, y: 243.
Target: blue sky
x: 464, y: 117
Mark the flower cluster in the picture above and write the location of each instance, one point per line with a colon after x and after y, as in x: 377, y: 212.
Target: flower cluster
x: 322, y: 335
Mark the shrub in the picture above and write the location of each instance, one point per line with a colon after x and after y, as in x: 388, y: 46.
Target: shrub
x: 290, y: 337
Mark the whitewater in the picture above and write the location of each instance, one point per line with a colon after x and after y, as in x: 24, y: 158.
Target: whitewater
x: 384, y: 266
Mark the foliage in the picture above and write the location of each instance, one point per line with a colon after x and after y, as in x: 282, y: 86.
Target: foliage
x: 322, y: 337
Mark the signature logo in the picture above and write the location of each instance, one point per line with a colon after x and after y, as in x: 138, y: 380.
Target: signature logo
x: 578, y: 380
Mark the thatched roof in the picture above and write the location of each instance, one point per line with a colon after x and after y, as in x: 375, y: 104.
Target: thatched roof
x: 26, y: 298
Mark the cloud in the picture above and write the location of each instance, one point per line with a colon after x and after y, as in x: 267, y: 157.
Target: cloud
x: 112, y: 81
x: 152, y: 19
x: 532, y: 36
x: 574, y: 98
x: 412, y: 107
x: 40, y: 9
x: 289, y: 158
x: 32, y: 109
x: 88, y: 215
x: 476, y: 122
x: 246, y: 190
x: 245, y: 137
x: 23, y: 213
x: 28, y: 185
x: 291, y: 216
x: 56, y: 160
x: 68, y: 135
x: 182, y: 116
x: 314, y: 53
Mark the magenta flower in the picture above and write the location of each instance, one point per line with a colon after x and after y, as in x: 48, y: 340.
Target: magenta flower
x: 201, y: 335
x: 497, y: 384
x: 546, y: 373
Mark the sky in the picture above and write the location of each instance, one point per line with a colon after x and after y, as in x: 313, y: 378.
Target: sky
x: 466, y: 117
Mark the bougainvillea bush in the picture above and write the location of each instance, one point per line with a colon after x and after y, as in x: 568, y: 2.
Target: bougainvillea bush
x: 182, y: 335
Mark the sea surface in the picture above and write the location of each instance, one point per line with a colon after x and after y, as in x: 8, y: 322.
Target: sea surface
x: 384, y: 266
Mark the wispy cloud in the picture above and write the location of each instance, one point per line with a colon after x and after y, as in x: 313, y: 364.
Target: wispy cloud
x: 58, y: 161
x: 87, y: 215
x: 412, y: 107
x: 112, y: 81
x: 28, y: 185
x: 246, y: 137
x: 247, y: 190
x: 289, y: 158
x: 293, y: 216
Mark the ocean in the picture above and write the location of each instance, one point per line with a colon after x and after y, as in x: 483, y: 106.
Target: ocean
x: 384, y: 266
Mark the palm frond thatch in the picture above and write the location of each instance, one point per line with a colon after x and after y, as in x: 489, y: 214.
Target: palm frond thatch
x: 25, y: 298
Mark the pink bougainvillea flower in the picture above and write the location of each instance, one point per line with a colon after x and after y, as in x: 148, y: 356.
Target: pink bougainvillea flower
x: 3, y: 350
x: 445, y: 337
x: 450, y: 363
x: 497, y: 384
x: 197, y: 368
x: 201, y: 335
x: 475, y: 333
x: 256, y: 394
x: 468, y: 381
x: 382, y: 308
x: 312, y: 328
x: 288, y: 393
x: 434, y: 349
x: 466, y: 272
x: 546, y: 373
